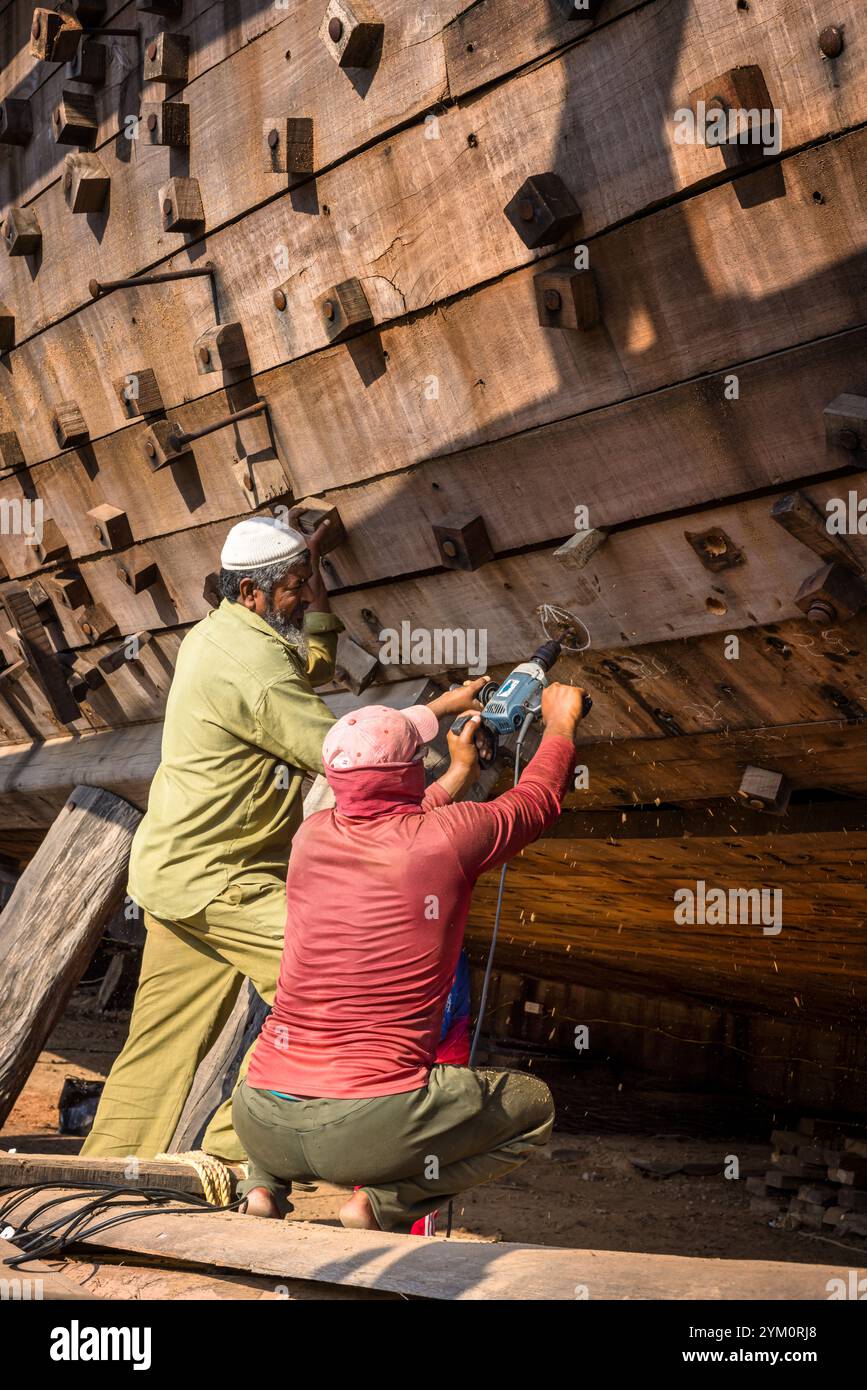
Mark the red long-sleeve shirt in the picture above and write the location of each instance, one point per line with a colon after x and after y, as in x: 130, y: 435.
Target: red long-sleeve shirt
x: 377, y: 905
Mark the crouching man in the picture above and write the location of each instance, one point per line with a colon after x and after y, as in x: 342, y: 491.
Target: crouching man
x: 342, y: 1083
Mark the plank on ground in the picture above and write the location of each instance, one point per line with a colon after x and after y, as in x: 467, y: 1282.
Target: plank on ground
x: 37, y: 1281
x: 455, y: 1269
x: 61, y: 904
x: 394, y: 218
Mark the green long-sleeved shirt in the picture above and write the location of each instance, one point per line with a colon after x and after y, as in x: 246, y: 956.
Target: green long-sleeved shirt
x: 243, y: 726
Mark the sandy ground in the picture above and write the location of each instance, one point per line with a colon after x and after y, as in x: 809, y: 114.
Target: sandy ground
x: 582, y: 1191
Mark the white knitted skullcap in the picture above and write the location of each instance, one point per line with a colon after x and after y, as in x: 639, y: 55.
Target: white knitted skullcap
x: 261, y: 541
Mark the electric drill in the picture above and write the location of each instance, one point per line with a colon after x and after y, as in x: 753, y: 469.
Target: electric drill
x: 506, y: 706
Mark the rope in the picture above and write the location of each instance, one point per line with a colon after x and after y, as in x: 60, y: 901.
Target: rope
x: 214, y: 1175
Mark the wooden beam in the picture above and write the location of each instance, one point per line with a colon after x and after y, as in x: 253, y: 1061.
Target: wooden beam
x: 845, y: 817
x: 37, y: 1281
x: 458, y: 1270
x: 21, y: 1170
x: 53, y: 921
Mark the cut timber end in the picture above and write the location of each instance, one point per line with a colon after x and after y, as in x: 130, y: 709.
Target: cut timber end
x: 354, y: 667
x: 580, y: 548
x: 167, y: 58
x: 85, y: 182
x: 764, y: 790
x: 352, y: 33
x: 543, y: 210
x: 181, y: 206
x: 288, y: 145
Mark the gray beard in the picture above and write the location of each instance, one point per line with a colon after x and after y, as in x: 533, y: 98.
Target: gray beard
x: 286, y: 629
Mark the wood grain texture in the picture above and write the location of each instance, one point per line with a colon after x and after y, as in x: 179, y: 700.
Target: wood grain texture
x: 455, y: 1269
x: 60, y: 906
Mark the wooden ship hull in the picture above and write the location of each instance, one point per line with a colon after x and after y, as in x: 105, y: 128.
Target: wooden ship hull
x: 691, y: 393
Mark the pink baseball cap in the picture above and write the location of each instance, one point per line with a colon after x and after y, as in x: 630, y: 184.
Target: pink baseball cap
x: 376, y: 735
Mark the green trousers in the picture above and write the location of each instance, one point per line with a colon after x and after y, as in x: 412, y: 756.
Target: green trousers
x: 410, y: 1152
x: 191, y: 974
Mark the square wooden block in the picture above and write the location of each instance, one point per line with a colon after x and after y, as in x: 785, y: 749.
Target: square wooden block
x: 344, y: 311
x: 221, y: 347
x: 22, y: 232
x: 111, y: 526
x: 85, y: 182
x: 7, y: 329
x: 181, y: 206
x: 74, y: 121
x: 138, y: 575
x: 69, y: 588
x: 317, y: 510
x: 167, y: 58
x: 764, y: 790
x: 288, y: 144
x: 165, y: 123
x: 139, y: 393
x: 11, y: 453
x: 352, y: 33
x: 846, y: 424
x: 566, y: 298
x: 463, y: 544
x: 54, y: 37
x: 543, y: 210
x: 735, y: 93
x: 161, y: 446
x: 89, y: 63
x: 69, y: 425
x: 53, y: 545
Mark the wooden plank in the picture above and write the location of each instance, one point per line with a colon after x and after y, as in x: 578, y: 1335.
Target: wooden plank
x: 62, y: 902
x: 35, y: 1280
x: 20, y: 1170
x: 393, y: 219
x: 652, y: 279
x: 455, y: 1269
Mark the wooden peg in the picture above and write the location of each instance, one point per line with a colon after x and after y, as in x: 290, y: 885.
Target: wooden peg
x: 16, y: 122
x: 167, y: 58
x: 580, y: 548
x: 344, y: 310
x: 127, y: 650
x: 543, y: 210
x: 221, y: 347
x: 81, y: 677
x: 69, y: 425
x: 74, y: 121
x: 166, y: 123
x: 22, y: 232
x: 764, y: 790
x: 846, y: 427
x: 140, y: 393
x: 139, y: 575
x: 566, y: 298
x: 95, y: 623
x: 353, y: 667
x: 7, y: 329
x: 53, y: 545
x: 288, y: 145
x: 69, y: 588
x: 735, y: 95
x: 317, y: 510
x: 463, y: 544
x: 89, y: 63
x: 181, y: 205
x: 110, y: 526
x: 85, y: 182
x: 11, y: 453
x: 54, y: 37
x: 832, y: 595
x: 803, y: 520
x: 352, y: 33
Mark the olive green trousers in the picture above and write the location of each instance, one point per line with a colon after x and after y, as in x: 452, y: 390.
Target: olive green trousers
x: 409, y: 1152
x: 191, y: 974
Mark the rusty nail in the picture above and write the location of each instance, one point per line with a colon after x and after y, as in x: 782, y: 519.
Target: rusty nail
x: 152, y: 121
x: 848, y: 440
x: 86, y: 629
x: 37, y: 25
x: 525, y: 210
x: 279, y: 300
x: 122, y: 574
x: 57, y: 117
x: 93, y: 287
x: 67, y: 180
x: 167, y: 208
x: 150, y: 450
x: 552, y: 300
x: 204, y: 354
x: 335, y: 30
x: 450, y: 549
x: 273, y: 138
x: 97, y: 532
x: 831, y: 41
x: 248, y: 482
x: 472, y: 140
x: 328, y: 309
x: 152, y: 50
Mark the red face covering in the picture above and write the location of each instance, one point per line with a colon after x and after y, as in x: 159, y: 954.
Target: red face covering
x: 377, y: 791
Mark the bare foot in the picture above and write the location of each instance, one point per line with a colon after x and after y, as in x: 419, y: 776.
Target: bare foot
x: 260, y: 1202
x: 357, y: 1214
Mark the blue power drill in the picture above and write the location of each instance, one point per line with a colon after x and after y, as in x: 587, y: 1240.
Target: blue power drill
x: 506, y: 706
